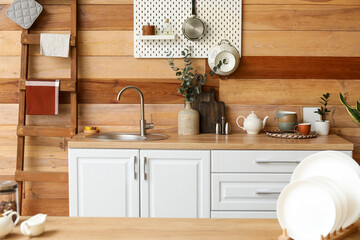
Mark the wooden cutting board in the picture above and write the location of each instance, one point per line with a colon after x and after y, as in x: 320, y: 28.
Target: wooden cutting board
x: 209, y: 109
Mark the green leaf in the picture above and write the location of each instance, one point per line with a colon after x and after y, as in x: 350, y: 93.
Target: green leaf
x: 358, y: 106
x: 354, y: 113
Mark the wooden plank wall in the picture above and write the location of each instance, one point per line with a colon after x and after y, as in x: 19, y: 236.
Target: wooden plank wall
x: 293, y: 51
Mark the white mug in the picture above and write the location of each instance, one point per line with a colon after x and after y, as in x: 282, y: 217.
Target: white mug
x: 34, y: 226
x: 7, y: 223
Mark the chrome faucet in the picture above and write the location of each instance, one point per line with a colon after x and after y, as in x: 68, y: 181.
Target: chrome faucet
x: 143, y: 125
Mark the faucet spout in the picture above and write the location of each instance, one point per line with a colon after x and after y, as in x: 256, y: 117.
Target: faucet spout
x: 143, y: 125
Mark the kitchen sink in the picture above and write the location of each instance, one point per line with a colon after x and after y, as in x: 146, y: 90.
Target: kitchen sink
x: 127, y: 137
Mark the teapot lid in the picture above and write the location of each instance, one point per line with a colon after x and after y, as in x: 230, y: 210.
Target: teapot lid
x: 7, y: 186
x: 252, y: 115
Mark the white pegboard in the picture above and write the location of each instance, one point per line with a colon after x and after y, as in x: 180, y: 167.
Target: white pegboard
x: 222, y: 17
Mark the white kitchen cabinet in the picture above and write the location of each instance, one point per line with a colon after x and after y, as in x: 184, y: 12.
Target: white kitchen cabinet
x: 104, y: 182
x: 175, y: 183
x: 247, y: 183
x: 133, y: 183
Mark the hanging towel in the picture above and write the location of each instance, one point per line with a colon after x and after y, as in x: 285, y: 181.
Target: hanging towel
x: 42, y: 97
x: 54, y: 45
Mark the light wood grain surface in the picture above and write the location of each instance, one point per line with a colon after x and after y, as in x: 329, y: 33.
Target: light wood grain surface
x: 212, y: 141
x: 158, y: 229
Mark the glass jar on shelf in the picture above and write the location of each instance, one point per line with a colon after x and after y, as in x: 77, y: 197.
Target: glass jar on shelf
x: 8, y: 196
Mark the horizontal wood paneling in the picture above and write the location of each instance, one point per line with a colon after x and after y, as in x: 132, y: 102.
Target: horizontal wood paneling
x: 93, y: 67
x: 255, y: 17
x: 91, y: 17
x: 269, y: 67
x: 255, y: 43
x: 304, y: 92
x: 301, y: 43
x: 301, y: 17
x: 246, y: 2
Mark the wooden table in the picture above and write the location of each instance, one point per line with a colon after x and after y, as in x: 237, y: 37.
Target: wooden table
x: 158, y: 229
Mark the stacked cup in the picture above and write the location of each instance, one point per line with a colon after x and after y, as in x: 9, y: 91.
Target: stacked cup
x: 322, y: 197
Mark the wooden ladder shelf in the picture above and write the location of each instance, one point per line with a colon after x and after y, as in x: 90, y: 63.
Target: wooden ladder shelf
x: 66, y: 85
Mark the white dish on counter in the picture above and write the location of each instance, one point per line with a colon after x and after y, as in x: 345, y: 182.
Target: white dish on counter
x: 343, y: 170
x: 308, y: 209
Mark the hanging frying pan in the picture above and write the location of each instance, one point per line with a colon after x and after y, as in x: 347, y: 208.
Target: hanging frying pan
x: 194, y: 28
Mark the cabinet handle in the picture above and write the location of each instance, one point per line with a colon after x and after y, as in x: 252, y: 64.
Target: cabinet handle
x: 266, y: 192
x: 278, y: 161
x: 145, y: 173
x: 134, y: 158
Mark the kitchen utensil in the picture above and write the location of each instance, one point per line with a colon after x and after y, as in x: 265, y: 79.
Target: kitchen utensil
x: 342, y: 170
x: 304, y: 128
x: 7, y: 223
x: 286, y: 120
x: 8, y: 200
x: 194, y: 28
x: 307, y: 210
x: 148, y: 30
x: 227, y: 128
x: 290, y: 135
x: 218, y: 129
x: 252, y: 124
x: 34, y: 226
x: 224, y: 51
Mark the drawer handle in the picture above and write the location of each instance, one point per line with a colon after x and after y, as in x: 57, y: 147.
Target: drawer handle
x: 278, y: 161
x: 266, y: 192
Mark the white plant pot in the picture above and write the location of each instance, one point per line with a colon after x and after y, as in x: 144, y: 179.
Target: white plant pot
x: 322, y: 127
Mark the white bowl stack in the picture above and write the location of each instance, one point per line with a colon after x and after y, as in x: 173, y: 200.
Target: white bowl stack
x: 322, y: 197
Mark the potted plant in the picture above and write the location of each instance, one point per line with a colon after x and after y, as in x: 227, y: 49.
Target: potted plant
x: 354, y: 112
x: 188, y: 118
x: 323, y: 125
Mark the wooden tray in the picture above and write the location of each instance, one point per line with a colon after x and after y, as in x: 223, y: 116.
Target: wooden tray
x: 291, y: 134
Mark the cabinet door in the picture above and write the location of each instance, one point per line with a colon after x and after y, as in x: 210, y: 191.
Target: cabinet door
x: 175, y: 184
x: 104, y: 182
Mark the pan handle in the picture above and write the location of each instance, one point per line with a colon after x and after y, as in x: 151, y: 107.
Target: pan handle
x: 194, y: 8
x: 225, y: 41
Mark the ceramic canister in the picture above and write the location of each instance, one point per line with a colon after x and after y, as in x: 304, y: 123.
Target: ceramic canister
x: 286, y: 120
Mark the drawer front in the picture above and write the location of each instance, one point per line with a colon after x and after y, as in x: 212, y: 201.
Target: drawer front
x: 228, y: 161
x: 243, y: 214
x: 246, y: 192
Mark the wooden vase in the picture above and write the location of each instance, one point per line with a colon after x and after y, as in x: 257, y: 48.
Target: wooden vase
x: 188, y: 120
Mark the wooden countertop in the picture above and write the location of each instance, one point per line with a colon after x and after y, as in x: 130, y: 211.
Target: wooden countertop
x: 212, y: 141
x: 158, y: 229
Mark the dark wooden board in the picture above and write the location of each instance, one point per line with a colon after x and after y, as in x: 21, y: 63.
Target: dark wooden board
x: 209, y: 109
x: 297, y: 68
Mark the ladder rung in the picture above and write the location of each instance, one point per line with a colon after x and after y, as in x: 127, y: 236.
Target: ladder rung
x: 43, y: 131
x: 33, y: 176
x: 35, y: 39
x: 66, y: 84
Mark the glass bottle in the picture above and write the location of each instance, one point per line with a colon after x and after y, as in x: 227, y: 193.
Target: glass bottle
x: 167, y: 28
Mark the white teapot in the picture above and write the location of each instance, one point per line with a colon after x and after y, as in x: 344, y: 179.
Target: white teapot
x: 7, y: 224
x: 252, y: 124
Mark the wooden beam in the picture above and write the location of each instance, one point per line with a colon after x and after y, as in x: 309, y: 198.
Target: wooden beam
x: 66, y: 84
x: 33, y: 176
x: 36, y: 131
x: 34, y: 39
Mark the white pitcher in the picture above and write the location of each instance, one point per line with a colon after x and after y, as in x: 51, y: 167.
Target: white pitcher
x: 252, y: 124
x: 7, y: 224
x: 34, y: 226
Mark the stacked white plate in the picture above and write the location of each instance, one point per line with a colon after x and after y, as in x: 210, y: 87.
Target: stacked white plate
x: 322, y: 197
